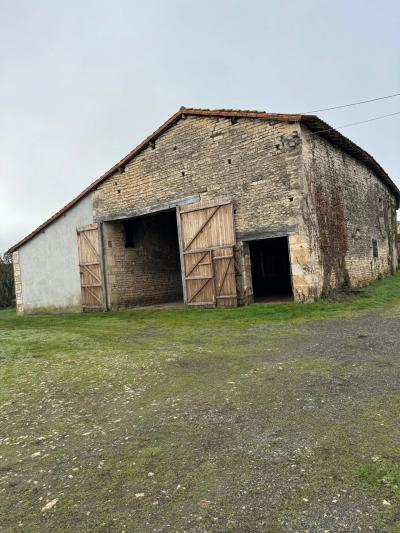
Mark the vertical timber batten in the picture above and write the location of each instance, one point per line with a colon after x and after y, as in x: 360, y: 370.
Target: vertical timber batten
x: 103, y: 267
x: 182, y: 262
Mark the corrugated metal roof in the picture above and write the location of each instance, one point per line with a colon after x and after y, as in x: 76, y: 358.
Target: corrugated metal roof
x: 315, y: 124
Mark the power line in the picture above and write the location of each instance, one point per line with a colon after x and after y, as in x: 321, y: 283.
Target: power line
x: 353, y: 104
x: 357, y: 123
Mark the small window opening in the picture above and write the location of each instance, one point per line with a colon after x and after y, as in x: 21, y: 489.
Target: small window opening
x: 183, y: 174
x: 375, y: 248
x: 291, y: 199
x: 130, y: 231
x: 229, y: 161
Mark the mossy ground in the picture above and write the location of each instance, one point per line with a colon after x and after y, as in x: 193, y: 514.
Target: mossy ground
x: 266, y: 418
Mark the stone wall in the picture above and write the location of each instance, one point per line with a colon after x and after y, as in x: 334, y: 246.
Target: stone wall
x: 282, y: 181
x: 147, y: 273
x: 256, y: 163
x: 348, y: 208
x: 339, y: 217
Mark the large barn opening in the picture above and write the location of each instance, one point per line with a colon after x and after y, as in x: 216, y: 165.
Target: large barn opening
x: 270, y: 269
x: 143, y: 261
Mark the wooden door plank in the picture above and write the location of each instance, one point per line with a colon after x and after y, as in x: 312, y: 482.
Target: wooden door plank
x: 203, y: 225
x: 94, y: 295
x: 208, y: 277
x: 202, y: 304
x: 224, y: 277
x: 91, y: 272
x: 196, y: 264
x: 92, y: 292
x: 193, y: 296
x: 83, y: 263
x: 222, y: 257
x: 96, y: 252
x: 198, y: 277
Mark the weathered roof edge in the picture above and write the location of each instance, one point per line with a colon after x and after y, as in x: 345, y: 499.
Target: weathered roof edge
x: 314, y: 123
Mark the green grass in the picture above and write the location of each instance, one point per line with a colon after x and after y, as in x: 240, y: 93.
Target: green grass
x: 198, y: 420
x: 384, y: 475
x: 377, y: 295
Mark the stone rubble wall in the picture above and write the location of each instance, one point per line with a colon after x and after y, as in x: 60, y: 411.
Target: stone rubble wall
x: 256, y: 163
x: 348, y: 208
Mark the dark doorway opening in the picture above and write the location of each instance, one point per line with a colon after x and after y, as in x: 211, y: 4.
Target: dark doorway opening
x: 153, y: 240
x: 143, y: 261
x: 270, y: 269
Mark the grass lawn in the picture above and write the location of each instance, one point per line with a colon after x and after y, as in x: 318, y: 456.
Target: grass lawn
x: 266, y: 418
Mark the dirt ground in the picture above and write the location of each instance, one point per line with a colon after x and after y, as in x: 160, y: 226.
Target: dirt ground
x: 180, y: 421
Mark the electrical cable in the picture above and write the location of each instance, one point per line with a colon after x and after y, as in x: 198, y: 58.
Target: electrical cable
x: 356, y: 123
x: 350, y: 105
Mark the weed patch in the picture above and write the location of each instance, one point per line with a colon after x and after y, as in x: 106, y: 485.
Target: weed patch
x: 381, y: 475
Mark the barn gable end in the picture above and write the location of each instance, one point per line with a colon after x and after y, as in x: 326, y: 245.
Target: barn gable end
x: 299, y: 219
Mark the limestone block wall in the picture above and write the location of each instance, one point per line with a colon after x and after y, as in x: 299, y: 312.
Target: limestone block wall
x: 280, y: 179
x: 349, y: 212
x: 256, y: 163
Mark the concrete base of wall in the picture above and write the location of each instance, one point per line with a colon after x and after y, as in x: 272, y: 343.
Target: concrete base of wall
x: 52, y: 310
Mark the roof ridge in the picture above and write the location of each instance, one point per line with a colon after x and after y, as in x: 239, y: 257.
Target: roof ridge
x: 313, y: 122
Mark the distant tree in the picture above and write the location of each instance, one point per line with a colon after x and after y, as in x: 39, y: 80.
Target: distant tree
x: 7, y: 292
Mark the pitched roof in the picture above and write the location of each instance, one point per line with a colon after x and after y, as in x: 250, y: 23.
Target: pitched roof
x: 315, y: 124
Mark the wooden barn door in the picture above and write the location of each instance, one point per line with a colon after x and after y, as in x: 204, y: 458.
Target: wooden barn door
x: 207, y: 239
x: 90, y: 268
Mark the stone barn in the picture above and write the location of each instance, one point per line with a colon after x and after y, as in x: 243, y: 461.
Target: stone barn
x: 217, y: 208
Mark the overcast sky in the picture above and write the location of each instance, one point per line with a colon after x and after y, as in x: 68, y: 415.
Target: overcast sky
x: 83, y: 82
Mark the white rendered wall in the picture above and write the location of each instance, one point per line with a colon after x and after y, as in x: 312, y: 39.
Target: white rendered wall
x: 49, y: 263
